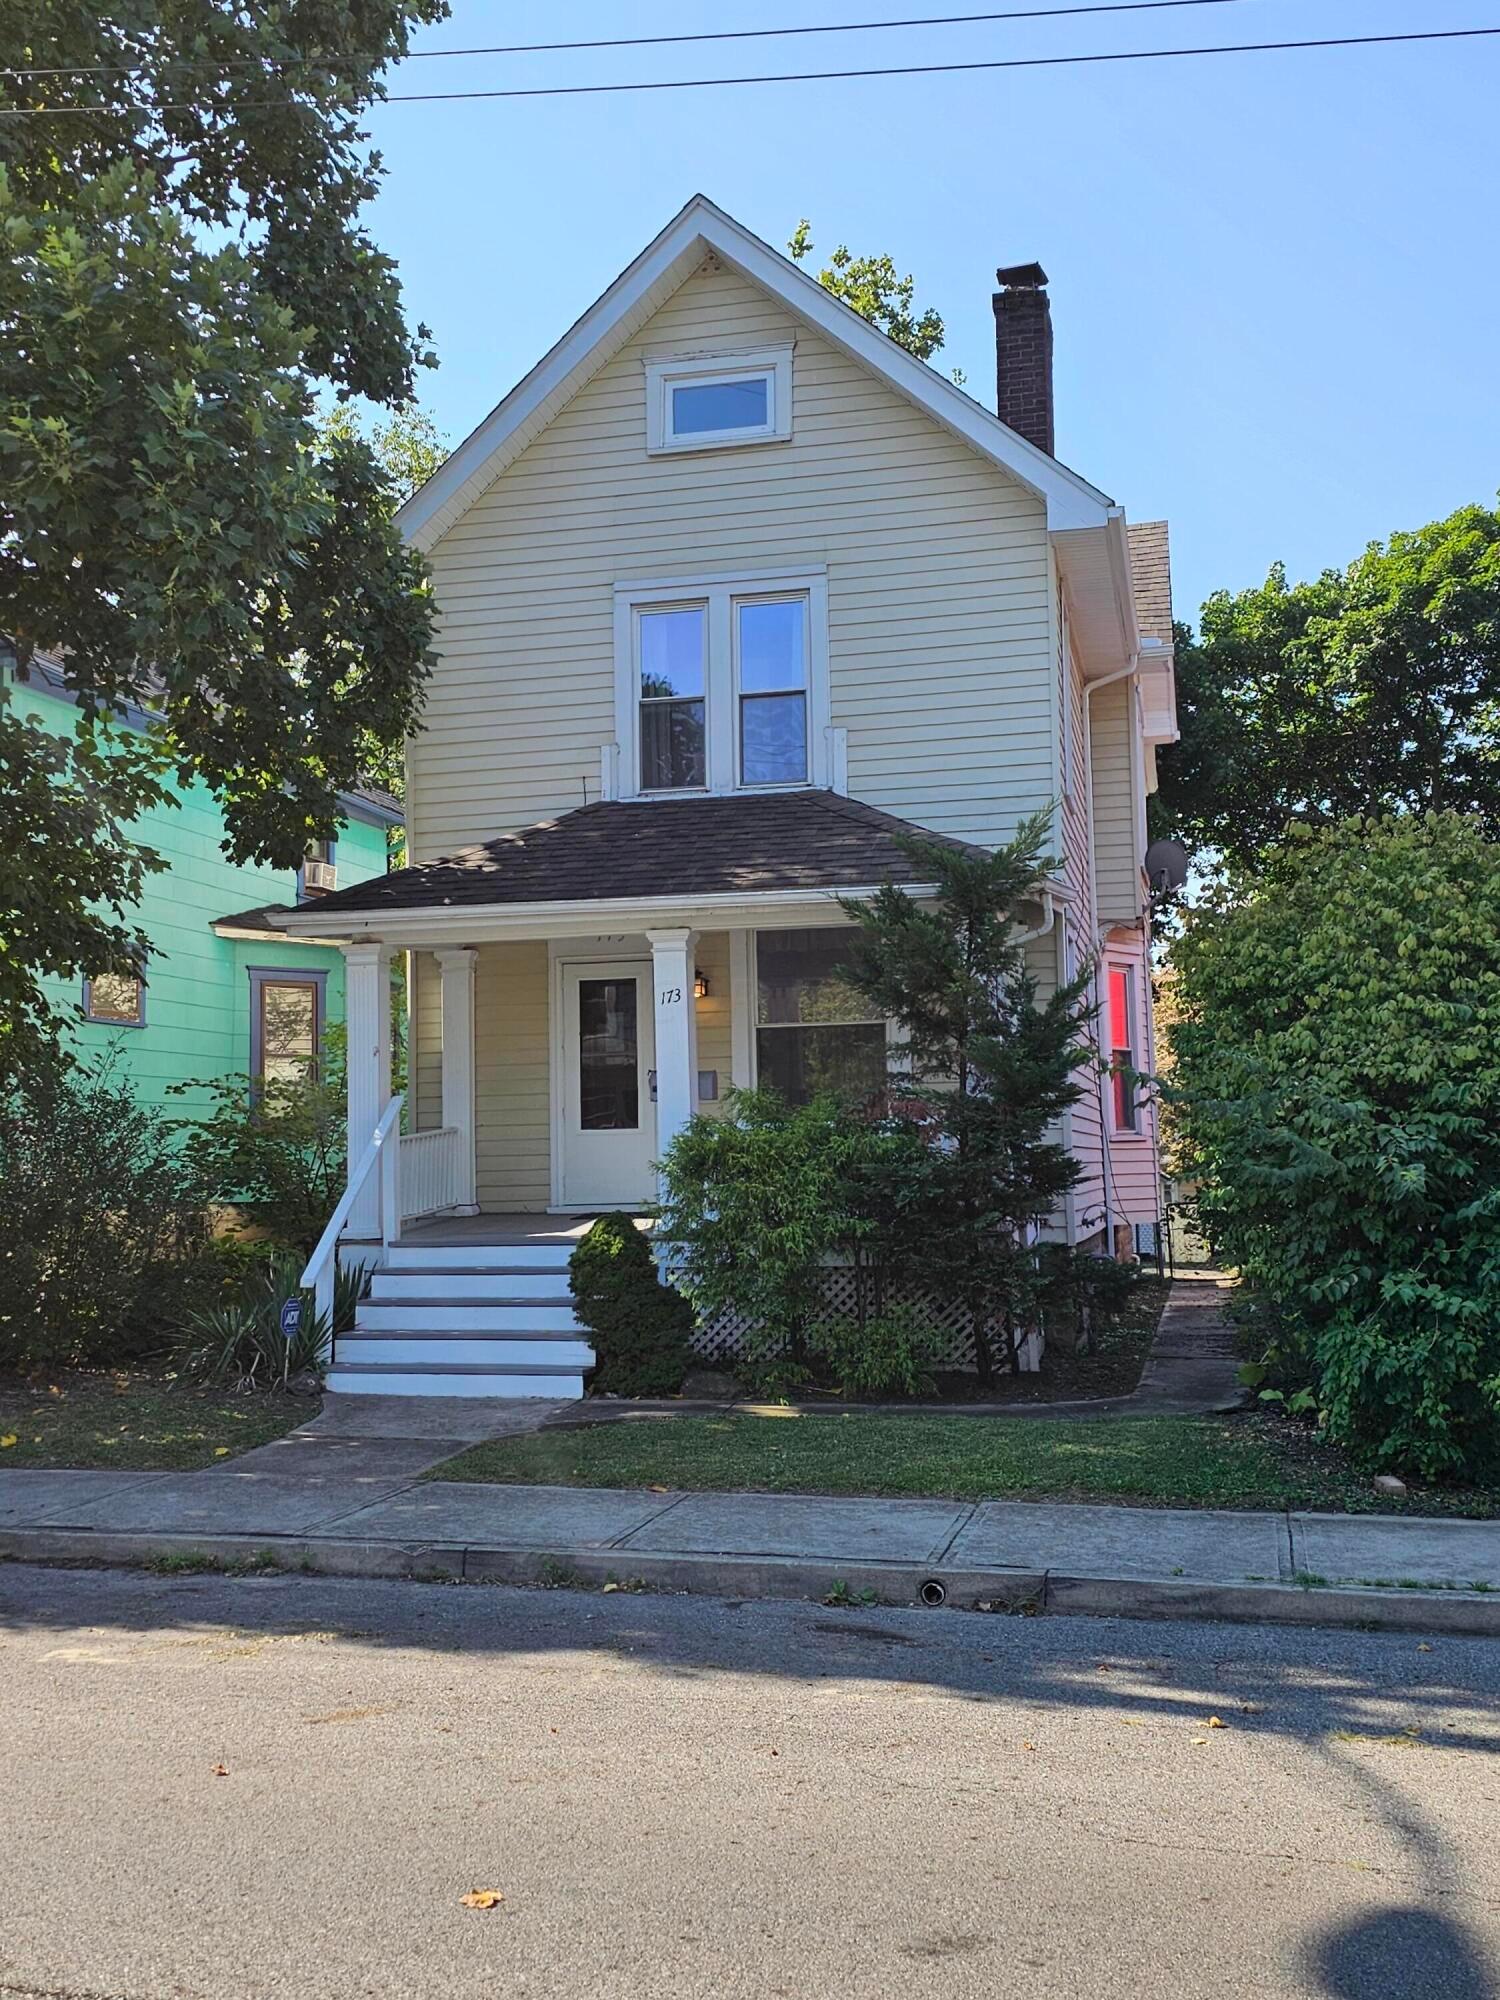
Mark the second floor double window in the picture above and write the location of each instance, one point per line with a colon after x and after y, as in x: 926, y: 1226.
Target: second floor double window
x: 723, y: 688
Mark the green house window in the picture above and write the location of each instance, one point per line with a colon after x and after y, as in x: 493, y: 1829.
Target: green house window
x: 117, y: 998
x: 287, y: 1012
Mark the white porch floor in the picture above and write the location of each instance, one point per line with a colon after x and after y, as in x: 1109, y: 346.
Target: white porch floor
x: 446, y: 1232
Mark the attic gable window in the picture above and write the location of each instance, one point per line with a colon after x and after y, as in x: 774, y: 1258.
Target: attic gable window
x: 705, y: 402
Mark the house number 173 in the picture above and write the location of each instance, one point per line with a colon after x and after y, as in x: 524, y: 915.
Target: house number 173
x: 669, y: 996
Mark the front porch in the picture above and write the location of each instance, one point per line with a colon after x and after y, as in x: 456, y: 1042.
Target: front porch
x: 547, y: 1075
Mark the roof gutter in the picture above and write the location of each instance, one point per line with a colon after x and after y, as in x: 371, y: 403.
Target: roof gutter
x: 494, y: 922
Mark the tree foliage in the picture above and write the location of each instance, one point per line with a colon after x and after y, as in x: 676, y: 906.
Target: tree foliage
x: 877, y: 292
x: 103, y: 1228
x: 1373, y: 689
x: 68, y: 875
x: 1336, y: 1071
x: 986, y: 1068
x: 278, y: 1155
x: 409, y: 448
x: 183, y: 261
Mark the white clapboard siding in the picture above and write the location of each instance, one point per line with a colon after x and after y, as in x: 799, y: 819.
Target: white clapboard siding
x: 1121, y: 898
x: 940, y: 625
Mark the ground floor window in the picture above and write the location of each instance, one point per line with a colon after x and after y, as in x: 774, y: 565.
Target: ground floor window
x: 118, y: 998
x: 287, y: 1017
x: 813, y: 1031
x: 1122, y: 1049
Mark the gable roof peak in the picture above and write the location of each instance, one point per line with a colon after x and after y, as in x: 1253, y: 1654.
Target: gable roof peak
x: 701, y: 226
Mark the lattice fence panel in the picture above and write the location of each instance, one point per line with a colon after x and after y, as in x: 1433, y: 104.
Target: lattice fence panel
x: 722, y: 1339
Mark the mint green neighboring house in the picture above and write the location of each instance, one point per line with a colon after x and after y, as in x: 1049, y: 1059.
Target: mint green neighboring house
x: 224, y: 992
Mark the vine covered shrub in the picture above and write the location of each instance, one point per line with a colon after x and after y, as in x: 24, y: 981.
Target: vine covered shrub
x: 758, y: 1200
x: 639, y: 1327
x: 278, y: 1155
x: 889, y: 1353
x: 1337, y: 1085
x: 104, y: 1233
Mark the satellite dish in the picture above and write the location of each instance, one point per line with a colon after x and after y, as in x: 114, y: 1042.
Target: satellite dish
x: 1166, y: 864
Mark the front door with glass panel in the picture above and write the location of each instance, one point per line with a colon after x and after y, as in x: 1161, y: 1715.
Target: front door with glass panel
x: 608, y: 1108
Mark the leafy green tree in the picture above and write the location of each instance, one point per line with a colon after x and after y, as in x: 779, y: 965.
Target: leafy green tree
x: 877, y: 292
x: 1372, y: 689
x: 180, y: 190
x: 408, y: 445
x: 986, y: 1069
x: 1335, y: 1072
x: 409, y: 448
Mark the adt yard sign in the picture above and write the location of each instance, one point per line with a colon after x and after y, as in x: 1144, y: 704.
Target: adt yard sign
x: 291, y: 1318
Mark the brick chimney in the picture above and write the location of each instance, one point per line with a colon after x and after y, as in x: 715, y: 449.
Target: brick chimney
x: 1023, y: 352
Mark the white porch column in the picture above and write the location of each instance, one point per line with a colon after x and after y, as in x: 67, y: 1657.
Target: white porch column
x: 676, y: 1032
x: 367, y: 1016
x: 742, y: 1007
x: 457, y: 970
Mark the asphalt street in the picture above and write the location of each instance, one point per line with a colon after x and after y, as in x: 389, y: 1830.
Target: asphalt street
x: 274, y: 1786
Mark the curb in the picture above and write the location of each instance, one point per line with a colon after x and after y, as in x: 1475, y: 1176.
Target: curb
x: 1031, y: 1593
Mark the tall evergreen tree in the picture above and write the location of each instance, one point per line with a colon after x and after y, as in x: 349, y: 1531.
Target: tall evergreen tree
x: 986, y: 1067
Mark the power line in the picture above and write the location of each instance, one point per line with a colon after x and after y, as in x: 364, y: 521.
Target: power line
x: 628, y: 41
x: 812, y: 76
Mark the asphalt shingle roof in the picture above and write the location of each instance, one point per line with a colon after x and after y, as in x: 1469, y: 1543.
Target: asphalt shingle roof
x: 1151, y: 578
x: 742, y: 844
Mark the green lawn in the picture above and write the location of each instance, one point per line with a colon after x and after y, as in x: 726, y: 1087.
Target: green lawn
x: 142, y: 1421
x: 1146, y: 1461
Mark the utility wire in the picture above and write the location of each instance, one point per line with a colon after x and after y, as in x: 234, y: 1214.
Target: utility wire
x: 629, y: 41
x: 804, y: 76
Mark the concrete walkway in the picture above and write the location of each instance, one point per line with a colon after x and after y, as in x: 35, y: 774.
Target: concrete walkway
x: 360, y: 1506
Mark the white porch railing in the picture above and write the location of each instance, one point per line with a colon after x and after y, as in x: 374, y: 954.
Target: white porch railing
x: 382, y: 1155
x: 430, y: 1171
x: 418, y: 1173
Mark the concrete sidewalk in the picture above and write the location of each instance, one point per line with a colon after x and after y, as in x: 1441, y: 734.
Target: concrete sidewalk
x: 359, y: 1506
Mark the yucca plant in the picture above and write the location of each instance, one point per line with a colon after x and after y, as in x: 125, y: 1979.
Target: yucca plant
x: 241, y: 1339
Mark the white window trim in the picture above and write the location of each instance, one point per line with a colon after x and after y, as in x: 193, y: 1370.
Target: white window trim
x: 1127, y: 970
x: 666, y: 372
x: 719, y: 591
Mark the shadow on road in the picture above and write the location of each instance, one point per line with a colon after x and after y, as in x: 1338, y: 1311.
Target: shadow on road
x: 1398, y: 1954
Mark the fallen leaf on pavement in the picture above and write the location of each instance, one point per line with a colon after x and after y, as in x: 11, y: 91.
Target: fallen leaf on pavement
x: 1197, y: 1740
x: 220, y: 1771
x: 1422, y: 1645
x: 482, y: 1899
x: 1214, y: 1723
x: 609, y: 1587
x: 658, y: 1489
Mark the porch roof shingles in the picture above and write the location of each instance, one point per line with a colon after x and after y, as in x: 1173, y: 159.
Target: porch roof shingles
x: 656, y: 850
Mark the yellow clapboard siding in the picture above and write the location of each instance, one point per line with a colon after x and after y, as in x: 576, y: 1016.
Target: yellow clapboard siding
x: 938, y: 584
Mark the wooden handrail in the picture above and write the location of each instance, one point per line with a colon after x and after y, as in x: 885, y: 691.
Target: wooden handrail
x: 318, y: 1276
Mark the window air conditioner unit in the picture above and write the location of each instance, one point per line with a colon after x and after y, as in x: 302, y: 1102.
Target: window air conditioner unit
x: 320, y: 875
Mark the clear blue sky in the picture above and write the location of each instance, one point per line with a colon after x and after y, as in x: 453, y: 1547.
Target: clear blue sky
x: 1274, y: 277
